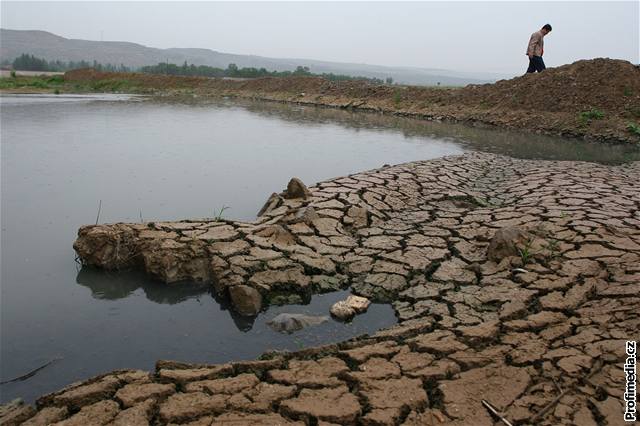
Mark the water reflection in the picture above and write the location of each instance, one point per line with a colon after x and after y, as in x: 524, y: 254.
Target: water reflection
x: 478, y: 137
x: 107, y: 285
x: 519, y: 144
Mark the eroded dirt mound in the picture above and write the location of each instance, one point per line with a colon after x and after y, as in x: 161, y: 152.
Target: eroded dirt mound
x: 607, y: 84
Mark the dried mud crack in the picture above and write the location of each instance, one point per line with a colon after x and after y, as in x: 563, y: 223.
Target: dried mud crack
x: 514, y: 281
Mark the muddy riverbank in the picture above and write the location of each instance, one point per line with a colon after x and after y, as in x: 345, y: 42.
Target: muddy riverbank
x: 594, y: 99
x: 514, y: 281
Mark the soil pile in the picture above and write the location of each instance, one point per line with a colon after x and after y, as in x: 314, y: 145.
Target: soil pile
x: 610, y: 85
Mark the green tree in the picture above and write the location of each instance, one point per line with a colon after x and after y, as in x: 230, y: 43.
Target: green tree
x: 232, y: 70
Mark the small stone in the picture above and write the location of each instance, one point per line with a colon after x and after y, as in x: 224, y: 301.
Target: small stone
x: 288, y: 323
x: 246, y: 300
x: 297, y: 189
x: 342, y: 311
x: 358, y: 303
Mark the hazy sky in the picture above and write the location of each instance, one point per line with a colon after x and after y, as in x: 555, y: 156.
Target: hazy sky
x: 466, y: 36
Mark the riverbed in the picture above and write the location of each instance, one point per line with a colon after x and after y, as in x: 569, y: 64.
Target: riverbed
x: 73, y: 160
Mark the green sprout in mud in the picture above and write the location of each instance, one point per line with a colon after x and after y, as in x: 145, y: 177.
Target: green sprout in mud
x: 218, y: 215
x: 593, y: 114
x: 627, y: 91
x: 634, y: 128
x: 553, y: 246
x: 526, y: 253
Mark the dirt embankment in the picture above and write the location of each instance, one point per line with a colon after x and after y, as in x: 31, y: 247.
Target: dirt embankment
x: 595, y: 99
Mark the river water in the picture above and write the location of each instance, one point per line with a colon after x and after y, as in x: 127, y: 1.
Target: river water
x: 62, y: 156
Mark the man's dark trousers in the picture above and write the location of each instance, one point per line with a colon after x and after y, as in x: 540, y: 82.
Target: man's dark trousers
x: 536, y: 64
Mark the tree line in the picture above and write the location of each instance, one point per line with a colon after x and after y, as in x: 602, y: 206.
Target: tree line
x: 26, y: 62
x: 234, y: 71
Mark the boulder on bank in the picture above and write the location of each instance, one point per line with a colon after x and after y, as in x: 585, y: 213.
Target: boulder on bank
x: 247, y: 301
x: 297, y: 189
x: 288, y: 323
x: 342, y: 311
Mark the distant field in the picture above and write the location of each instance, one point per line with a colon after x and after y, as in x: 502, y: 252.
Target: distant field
x: 7, y: 73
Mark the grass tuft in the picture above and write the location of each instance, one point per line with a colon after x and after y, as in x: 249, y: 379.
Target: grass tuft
x: 593, y: 114
x: 634, y: 128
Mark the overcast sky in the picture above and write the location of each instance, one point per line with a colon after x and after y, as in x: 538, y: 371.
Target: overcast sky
x: 465, y: 36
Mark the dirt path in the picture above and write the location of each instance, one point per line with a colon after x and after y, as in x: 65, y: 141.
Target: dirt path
x: 515, y: 282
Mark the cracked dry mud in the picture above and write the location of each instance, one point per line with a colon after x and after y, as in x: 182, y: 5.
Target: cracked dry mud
x: 540, y: 334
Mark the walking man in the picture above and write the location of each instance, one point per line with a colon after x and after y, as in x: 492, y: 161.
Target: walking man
x: 535, y: 49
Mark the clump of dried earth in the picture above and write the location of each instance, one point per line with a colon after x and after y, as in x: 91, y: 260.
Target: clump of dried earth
x: 550, y: 102
x: 533, y: 320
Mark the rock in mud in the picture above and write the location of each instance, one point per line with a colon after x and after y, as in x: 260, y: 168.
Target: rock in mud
x: 246, y: 300
x: 288, y: 323
x: 296, y: 189
x: 344, y: 310
x: 507, y: 242
x: 341, y: 311
x: 358, y: 303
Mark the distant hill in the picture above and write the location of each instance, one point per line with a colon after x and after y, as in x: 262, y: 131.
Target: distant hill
x: 49, y: 46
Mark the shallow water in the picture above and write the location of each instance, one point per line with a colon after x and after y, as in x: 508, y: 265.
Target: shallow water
x: 62, y: 156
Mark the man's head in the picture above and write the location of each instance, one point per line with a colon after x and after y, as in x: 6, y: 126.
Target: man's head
x: 546, y: 29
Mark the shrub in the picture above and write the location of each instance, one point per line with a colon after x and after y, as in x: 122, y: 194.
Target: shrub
x: 585, y: 117
x: 56, y: 79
